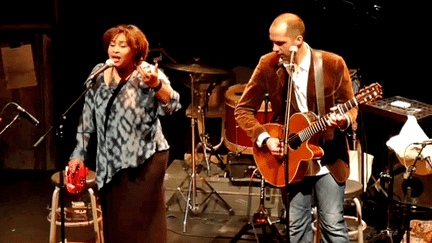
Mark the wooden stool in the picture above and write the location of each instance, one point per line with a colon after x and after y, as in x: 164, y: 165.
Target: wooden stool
x: 353, y: 191
x: 95, y: 212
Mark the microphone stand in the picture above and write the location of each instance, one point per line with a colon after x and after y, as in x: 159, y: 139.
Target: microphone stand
x: 17, y: 117
x: 261, y: 218
x: 63, y: 116
x: 10, y: 124
x: 61, y: 176
x: 286, y: 147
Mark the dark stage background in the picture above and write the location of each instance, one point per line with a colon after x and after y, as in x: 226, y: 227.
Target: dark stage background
x: 385, y: 40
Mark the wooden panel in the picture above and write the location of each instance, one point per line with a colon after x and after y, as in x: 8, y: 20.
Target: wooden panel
x: 16, y: 143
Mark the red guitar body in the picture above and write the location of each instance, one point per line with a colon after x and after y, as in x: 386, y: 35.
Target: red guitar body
x: 300, y: 155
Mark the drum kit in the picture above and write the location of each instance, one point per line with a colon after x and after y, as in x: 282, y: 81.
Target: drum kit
x: 199, y: 74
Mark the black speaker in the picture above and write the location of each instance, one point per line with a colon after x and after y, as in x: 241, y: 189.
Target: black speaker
x: 241, y: 169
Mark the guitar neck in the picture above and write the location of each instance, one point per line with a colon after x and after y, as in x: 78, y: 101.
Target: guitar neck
x: 322, y: 123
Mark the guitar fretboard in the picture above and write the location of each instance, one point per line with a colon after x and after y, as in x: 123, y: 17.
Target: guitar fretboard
x: 364, y: 96
x: 322, y: 123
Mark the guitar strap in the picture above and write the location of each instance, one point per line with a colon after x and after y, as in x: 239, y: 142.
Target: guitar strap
x: 319, y: 82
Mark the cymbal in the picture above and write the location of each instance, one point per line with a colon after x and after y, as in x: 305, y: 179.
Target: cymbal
x: 195, y: 68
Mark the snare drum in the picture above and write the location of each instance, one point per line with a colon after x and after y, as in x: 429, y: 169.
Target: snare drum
x: 235, y: 139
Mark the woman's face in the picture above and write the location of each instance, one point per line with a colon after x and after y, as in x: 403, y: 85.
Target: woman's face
x: 120, y: 52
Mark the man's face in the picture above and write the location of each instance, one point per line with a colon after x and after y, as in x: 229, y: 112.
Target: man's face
x: 281, y: 41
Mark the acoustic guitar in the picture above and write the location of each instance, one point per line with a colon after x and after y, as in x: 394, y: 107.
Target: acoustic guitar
x: 303, y: 149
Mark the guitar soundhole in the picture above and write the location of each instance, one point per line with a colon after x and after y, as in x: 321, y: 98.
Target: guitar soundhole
x: 294, y: 141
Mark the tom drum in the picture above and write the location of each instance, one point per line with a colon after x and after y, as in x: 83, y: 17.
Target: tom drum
x: 235, y: 139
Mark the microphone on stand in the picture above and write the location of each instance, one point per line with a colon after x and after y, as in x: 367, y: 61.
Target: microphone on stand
x: 420, y: 157
x: 27, y: 115
x: 292, y: 56
x: 109, y: 63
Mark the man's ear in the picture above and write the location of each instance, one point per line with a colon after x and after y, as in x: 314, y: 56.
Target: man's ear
x: 298, y: 40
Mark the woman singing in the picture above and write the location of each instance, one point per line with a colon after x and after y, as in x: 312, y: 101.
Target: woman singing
x: 121, y: 111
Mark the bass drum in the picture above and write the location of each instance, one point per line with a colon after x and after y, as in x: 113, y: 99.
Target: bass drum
x: 235, y: 139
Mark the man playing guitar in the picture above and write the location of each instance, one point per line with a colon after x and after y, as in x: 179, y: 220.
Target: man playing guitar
x: 326, y: 172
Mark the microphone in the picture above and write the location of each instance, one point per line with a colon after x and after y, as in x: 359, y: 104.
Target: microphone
x: 292, y: 55
x: 109, y: 63
x: 27, y: 115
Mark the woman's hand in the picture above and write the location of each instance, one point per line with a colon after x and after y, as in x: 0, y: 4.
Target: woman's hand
x: 151, y: 79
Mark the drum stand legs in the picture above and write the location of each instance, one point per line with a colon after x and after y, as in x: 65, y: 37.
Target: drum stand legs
x: 204, y: 144
x: 387, y: 233
x: 192, y: 205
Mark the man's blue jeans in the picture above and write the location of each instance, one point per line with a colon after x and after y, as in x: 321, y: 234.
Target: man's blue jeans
x: 329, y: 199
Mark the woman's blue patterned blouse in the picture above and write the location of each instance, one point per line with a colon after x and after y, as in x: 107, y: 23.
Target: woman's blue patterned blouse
x: 132, y: 133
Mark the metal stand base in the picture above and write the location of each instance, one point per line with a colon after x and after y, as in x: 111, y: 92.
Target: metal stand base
x: 386, y: 235
x: 260, y: 220
x: 192, y: 208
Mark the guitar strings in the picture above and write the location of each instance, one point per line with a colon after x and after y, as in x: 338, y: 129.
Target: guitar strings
x: 321, y: 124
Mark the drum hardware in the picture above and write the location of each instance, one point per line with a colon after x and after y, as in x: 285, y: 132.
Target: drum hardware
x: 395, y: 114
x: 387, y: 177
x: 162, y: 52
x: 204, y: 141
x: 409, y: 184
x: 385, y: 112
x: 196, y: 71
x: 195, y: 68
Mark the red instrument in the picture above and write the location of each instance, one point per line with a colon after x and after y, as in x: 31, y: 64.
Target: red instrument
x: 303, y: 146
x: 76, y: 182
x: 235, y: 138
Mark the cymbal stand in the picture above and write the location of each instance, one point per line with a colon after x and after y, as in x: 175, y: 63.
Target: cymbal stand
x: 192, y: 205
x: 206, y: 146
x: 204, y: 138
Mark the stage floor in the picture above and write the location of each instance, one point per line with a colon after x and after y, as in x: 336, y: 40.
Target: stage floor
x: 26, y: 197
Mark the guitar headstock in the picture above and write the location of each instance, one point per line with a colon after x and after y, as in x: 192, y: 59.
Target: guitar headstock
x: 369, y: 94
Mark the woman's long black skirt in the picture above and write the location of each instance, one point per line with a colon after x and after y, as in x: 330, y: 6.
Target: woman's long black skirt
x: 133, y: 203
